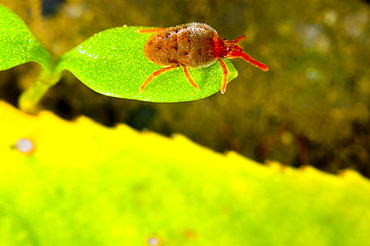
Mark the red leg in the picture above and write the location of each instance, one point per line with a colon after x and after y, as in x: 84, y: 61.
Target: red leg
x: 224, y: 77
x: 150, y: 30
x: 239, y: 54
x: 187, y: 74
x: 237, y: 40
x: 155, y: 74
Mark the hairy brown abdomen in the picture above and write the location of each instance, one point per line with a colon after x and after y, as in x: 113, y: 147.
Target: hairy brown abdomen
x: 191, y: 45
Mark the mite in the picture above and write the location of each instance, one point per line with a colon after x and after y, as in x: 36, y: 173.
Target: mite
x: 193, y: 45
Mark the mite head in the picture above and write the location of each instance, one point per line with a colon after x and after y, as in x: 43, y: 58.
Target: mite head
x: 229, y: 49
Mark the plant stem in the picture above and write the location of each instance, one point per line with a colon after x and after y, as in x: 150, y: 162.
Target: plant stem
x: 30, y: 98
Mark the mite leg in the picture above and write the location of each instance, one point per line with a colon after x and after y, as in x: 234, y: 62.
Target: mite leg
x: 187, y: 74
x: 224, y: 76
x: 239, y: 54
x: 155, y: 74
x: 237, y: 40
x: 150, y: 30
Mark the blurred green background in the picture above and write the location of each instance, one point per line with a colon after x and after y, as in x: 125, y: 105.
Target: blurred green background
x: 312, y: 107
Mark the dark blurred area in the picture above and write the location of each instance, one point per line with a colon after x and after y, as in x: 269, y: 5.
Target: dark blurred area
x: 311, y: 107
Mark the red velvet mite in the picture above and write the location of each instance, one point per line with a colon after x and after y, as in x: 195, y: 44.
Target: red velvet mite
x: 193, y: 45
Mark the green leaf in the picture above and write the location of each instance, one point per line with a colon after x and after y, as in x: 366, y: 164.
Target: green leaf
x: 113, y: 63
x: 17, y: 43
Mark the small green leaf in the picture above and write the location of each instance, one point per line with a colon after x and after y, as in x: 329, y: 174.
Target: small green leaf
x: 113, y: 63
x: 17, y: 43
